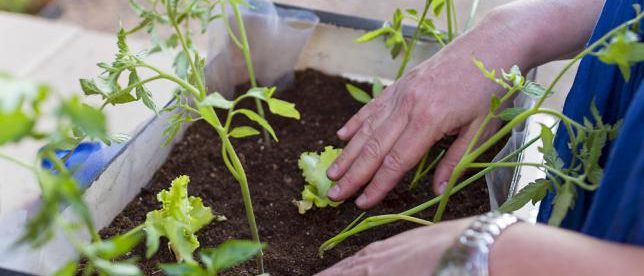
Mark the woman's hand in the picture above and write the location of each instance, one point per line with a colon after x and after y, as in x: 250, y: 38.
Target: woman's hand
x: 415, y: 252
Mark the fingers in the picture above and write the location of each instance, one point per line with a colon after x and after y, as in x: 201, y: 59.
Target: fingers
x: 451, y: 158
x: 364, y: 154
x: 418, y: 136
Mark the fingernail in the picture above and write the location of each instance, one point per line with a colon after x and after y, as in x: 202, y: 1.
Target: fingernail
x: 342, y: 131
x: 333, y: 170
x: 334, y: 192
x: 362, y: 200
x: 442, y: 186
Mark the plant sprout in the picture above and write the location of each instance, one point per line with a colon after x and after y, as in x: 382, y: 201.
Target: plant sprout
x: 193, y: 101
x: 314, y: 166
x: 619, y: 47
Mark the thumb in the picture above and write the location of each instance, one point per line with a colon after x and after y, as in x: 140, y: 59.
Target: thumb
x: 448, y: 163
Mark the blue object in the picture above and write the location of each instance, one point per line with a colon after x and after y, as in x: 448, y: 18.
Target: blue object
x: 87, y: 161
x: 615, y: 211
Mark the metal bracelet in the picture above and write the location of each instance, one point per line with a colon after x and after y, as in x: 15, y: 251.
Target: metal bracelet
x: 470, y: 253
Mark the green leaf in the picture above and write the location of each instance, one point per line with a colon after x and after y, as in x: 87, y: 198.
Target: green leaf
x: 117, y: 268
x: 534, y: 192
x: 377, y: 87
x: 259, y: 120
x: 373, y: 34
x: 563, y: 201
x: 229, y: 254
x: 283, y: 108
x: 181, y: 64
x: 437, y: 7
x: 623, y: 50
x: 491, y: 75
x: 244, y: 131
x: 510, y: 113
x: 142, y: 92
x: 358, y: 94
x: 116, y: 246
x: 217, y: 100
x: 183, y: 269
x: 89, y: 87
x: 68, y: 269
x: 90, y: 120
x: 262, y: 93
x: 178, y: 220
x: 534, y: 89
x: 14, y: 127
x: 314, y: 167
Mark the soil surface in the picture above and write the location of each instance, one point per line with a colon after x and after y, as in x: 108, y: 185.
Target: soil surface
x: 275, y: 180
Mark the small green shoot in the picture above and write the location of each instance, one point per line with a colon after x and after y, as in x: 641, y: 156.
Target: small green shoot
x: 178, y: 220
x: 314, y: 166
x: 228, y: 254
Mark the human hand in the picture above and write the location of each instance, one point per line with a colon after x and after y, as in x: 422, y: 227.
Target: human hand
x: 445, y: 95
x: 415, y: 252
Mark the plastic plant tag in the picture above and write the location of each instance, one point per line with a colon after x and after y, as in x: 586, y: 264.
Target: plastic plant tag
x: 276, y: 37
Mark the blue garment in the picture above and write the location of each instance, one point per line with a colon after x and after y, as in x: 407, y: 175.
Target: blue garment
x: 615, y: 211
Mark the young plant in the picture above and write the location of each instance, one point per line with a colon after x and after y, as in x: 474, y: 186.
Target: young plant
x: 228, y: 254
x: 586, y: 140
x: 314, y: 166
x: 193, y: 101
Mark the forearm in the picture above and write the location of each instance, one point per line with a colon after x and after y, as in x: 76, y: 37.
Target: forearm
x: 549, y: 29
x: 526, y: 249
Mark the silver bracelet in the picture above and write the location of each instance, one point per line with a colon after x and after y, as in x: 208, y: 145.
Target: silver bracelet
x: 470, y: 253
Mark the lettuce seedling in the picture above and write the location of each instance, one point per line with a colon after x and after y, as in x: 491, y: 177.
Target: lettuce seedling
x: 314, y: 166
x: 228, y: 254
x: 177, y: 220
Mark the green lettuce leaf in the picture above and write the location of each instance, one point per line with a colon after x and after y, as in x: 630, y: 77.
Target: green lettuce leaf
x: 178, y: 220
x: 314, y: 166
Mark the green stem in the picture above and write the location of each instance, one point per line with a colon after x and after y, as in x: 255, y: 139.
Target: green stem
x: 249, y: 65
x: 470, y: 19
x: 369, y: 223
x: 448, y: 12
x: 16, y: 161
x: 186, y: 50
x: 414, y: 40
x: 577, y: 180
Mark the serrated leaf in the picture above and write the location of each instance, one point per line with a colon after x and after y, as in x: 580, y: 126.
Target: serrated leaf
x: 535, y: 190
x: 178, y: 220
x: 259, y: 120
x: 623, y: 50
x: 534, y: 89
x: 217, y: 100
x: 243, y: 131
x: 283, y: 108
x: 314, y: 167
x: 510, y: 113
x: 562, y: 202
x: 89, y: 87
x: 358, y: 94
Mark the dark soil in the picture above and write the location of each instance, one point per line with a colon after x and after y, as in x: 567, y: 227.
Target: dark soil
x: 275, y: 180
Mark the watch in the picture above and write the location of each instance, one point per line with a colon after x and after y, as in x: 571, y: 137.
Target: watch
x: 469, y: 253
